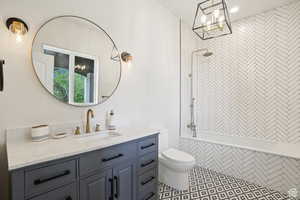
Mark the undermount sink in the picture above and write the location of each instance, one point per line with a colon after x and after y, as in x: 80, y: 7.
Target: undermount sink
x: 101, y: 134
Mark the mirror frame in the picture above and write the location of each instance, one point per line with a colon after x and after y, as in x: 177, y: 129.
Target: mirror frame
x: 100, y: 28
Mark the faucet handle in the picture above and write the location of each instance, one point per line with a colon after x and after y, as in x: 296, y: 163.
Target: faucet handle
x: 97, y: 128
x: 77, y: 131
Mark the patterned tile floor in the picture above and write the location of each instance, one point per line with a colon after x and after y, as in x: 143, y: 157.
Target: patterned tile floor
x: 206, y: 184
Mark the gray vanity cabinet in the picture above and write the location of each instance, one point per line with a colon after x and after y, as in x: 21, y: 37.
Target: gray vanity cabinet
x: 125, y: 178
x: 117, y: 183
x: 126, y: 171
x: 97, y: 187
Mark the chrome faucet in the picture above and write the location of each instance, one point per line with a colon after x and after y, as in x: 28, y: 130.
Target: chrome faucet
x: 88, y: 125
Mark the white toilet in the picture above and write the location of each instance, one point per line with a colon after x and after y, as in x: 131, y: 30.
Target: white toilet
x: 174, y: 165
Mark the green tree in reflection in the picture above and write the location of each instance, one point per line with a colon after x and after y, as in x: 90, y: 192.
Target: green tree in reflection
x: 61, y: 85
x: 79, y: 88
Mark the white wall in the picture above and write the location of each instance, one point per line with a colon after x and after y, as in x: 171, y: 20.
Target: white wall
x: 149, y: 89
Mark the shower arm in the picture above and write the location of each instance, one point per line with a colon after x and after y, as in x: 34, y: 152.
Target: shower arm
x: 199, y: 50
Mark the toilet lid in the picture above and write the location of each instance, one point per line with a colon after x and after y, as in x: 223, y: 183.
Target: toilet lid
x: 178, y: 156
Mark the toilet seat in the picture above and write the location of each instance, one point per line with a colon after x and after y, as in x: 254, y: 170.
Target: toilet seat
x: 177, y: 156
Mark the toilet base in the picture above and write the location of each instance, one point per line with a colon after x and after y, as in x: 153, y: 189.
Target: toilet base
x: 174, y: 179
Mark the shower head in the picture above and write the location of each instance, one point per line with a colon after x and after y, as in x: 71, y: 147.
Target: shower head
x: 208, y: 54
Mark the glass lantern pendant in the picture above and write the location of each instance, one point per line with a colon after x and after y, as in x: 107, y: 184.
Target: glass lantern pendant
x: 212, y: 19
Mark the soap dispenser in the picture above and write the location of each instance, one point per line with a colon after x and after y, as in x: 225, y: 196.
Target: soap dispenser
x: 109, y: 121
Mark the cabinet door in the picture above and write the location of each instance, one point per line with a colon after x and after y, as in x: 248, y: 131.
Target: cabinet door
x: 97, y: 187
x: 124, y: 181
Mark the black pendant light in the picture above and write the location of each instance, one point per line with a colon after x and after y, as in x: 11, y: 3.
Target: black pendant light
x: 212, y: 19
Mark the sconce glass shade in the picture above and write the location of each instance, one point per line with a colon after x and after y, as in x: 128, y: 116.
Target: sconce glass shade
x: 17, y: 26
x: 212, y: 19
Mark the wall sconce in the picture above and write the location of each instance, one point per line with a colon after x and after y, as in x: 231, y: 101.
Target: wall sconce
x: 126, y: 57
x: 17, y: 26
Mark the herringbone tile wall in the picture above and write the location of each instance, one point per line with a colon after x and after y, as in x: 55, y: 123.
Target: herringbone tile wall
x: 251, y: 86
x: 276, y: 172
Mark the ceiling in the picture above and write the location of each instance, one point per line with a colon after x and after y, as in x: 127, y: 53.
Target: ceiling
x: 187, y: 8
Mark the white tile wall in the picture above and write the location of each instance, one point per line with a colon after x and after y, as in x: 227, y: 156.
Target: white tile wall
x: 251, y: 86
x: 276, y: 172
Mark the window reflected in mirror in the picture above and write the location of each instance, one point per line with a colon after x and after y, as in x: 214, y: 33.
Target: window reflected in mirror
x: 72, y: 76
x: 84, y: 87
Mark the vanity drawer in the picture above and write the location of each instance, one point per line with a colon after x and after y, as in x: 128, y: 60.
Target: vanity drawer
x: 149, y: 194
x: 106, y: 158
x: 47, y: 178
x: 147, y: 162
x: 146, y: 180
x: 148, y: 145
x: 64, y: 193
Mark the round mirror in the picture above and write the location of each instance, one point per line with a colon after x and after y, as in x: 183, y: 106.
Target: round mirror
x: 76, y: 61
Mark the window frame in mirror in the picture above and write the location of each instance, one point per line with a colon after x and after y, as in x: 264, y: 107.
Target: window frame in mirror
x: 72, y: 55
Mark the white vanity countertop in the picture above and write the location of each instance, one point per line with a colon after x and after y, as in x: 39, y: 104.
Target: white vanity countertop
x: 22, y: 152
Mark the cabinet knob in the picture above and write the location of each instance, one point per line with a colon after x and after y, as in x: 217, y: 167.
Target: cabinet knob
x: 69, y: 198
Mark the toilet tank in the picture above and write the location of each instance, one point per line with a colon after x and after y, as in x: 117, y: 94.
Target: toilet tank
x: 163, y: 140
